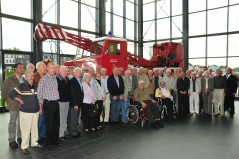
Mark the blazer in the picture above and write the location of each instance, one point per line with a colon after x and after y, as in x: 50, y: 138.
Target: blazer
x: 77, y: 94
x: 231, y: 84
x: 183, y: 84
x: 37, y: 77
x: 9, y: 84
x: 210, y: 84
x: 113, y: 87
x: 134, y: 83
x: 197, y: 86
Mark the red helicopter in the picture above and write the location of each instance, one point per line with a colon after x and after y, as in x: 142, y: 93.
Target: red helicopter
x: 110, y: 52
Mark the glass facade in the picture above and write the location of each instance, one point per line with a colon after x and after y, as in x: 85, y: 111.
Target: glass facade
x: 213, y: 28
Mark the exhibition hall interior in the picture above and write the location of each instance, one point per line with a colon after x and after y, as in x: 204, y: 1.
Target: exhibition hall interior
x: 119, y: 79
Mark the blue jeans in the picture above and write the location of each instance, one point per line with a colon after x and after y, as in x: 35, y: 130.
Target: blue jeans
x: 124, y: 107
x: 41, y: 126
x: 115, y: 108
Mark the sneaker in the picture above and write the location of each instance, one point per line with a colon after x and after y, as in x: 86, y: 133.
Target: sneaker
x: 13, y: 144
x: 25, y: 151
x: 38, y: 146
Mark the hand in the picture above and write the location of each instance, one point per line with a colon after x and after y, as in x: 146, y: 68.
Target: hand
x: 115, y: 98
x: 21, y: 101
x: 126, y: 99
x: 93, y: 102
x: 224, y: 94
x: 153, y: 101
x: 181, y: 92
x: 40, y: 109
x: 104, y: 98
x: 143, y: 105
x: 189, y: 94
x: 76, y: 107
x: 163, y: 97
x: 121, y: 97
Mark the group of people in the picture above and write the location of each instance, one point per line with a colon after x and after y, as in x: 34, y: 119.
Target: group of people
x: 45, y: 104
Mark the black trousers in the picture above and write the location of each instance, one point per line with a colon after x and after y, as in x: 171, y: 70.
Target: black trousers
x: 100, y: 107
x: 52, y: 121
x: 88, y: 122
x: 169, y: 105
x: 229, y: 103
x: 183, y: 103
x: 73, y: 122
x: 151, y: 110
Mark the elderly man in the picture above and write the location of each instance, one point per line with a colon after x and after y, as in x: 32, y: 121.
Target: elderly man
x: 75, y: 102
x: 219, y: 93
x: 41, y: 71
x: 151, y: 83
x: 166, y: 97
x: 207, y: 90
x: 65, y: 95
x: 182, y: 87
x: 48, y: 97
x: 143, y: 77
x: 148, y: 104
x: 231, y: 85
x: 115, y: 85
x: 193, y: 92
x: 12, y: 105
x: 104, y: 80
x: 30, y: 67
x: 127, y: 93
x: 26, y: 94
x: 170, y: 81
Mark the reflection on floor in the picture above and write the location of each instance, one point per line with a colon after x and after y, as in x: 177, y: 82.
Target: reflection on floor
x: 194, y: 137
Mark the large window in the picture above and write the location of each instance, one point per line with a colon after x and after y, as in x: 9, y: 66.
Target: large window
x: 13, y: 33
x: 69, y: 18
x: 88, y: 18
x: 49, y: 11
x: 21, y: 8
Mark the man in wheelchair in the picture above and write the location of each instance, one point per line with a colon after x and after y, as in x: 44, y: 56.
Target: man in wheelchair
x: 149, y: 105
x: 165, y: 98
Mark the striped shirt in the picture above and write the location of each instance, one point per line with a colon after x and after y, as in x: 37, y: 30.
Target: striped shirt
x: 47, y: 89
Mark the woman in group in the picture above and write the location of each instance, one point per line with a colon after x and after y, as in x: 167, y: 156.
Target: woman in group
x: 100, y: 95
x: 89, y: 121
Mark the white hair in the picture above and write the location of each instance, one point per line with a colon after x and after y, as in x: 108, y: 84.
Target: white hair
x: 141, y: 82
x: 63, y: 67
x: 77, y: 69
x: 30, y: 64
x: 86, y: 75
x: 39, y: 63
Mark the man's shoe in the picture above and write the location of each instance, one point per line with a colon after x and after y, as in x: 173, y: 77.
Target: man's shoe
x: 77, y: 136
x: 154, y: 126
x: 19, y: 140
x: 63, y: 139
x: 58, y: 144
x: 50, y: 147
x: 38, y: 146
x: 159, y: 124
x: 25, y: 151
x: 13, y: 144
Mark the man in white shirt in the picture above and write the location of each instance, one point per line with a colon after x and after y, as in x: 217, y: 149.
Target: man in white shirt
x: 104, y: 79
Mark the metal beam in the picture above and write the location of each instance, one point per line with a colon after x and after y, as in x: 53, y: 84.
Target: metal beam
x: 101, y: 18
x: 140, y: 28
x: 37, y: 18
x: 185, y: 32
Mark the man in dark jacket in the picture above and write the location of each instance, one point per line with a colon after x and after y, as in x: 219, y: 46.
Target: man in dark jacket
x: 231, y: 85
x: 75, y: 102
x: 115, y: 86
x: 12, y: 105
x: 26, y: 94
x: 183, y: 99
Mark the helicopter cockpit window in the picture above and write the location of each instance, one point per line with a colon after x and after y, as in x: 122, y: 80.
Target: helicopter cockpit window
x: 113, y: 48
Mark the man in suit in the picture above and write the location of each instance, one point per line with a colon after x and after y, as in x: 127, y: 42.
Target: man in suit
x: 207, y: 93
x: 183, y: 100
x: 75, y: 102
x: 12, y: 105
x: 115, y: 85
x: 231, y: 85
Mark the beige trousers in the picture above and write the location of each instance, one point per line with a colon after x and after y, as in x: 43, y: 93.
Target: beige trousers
x: 218, y: 101
x: 106, y: 105
x: 28, y: 126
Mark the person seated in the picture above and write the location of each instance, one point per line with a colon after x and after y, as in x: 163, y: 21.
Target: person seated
x: 148, y: 104
x: 165, y: 96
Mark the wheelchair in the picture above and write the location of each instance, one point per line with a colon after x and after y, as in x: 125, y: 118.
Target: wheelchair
x: 163, y: 108
x: 135, y: 113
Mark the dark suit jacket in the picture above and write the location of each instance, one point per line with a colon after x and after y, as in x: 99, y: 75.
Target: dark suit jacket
x: 113, y: 87
x: 231, y: 84
x: 76, y: 93
x: 134, y: 82
x: 183, y: 84
x: 210, y: 84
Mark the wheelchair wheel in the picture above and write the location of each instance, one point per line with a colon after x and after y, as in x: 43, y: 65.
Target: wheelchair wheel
x: 142, y: 123
x: 162, y: 114
x: 132, y: 114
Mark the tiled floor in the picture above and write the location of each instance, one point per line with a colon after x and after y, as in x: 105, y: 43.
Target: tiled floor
x: 188, y: 138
